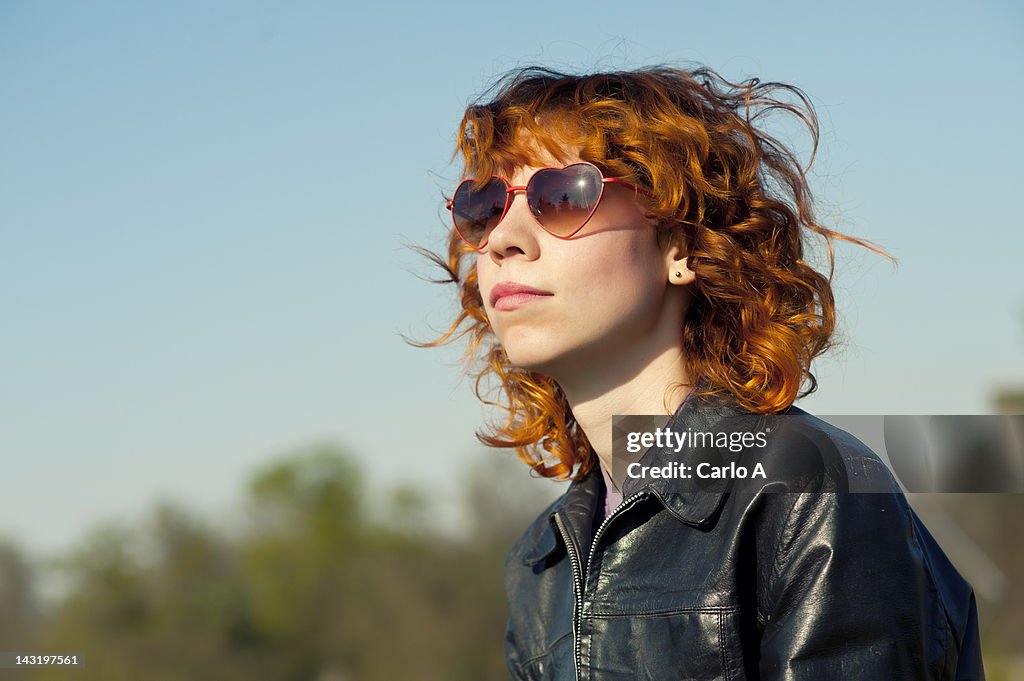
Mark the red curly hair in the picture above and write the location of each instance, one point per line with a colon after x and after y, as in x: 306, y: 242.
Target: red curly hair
x: 733, y: 198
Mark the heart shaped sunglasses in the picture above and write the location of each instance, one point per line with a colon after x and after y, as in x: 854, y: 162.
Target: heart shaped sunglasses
x: 562, y: 201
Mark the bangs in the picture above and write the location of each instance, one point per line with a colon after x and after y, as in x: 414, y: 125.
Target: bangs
x: 500, y: 142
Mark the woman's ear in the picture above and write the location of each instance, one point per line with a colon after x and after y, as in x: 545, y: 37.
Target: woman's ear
x: 676, y: 265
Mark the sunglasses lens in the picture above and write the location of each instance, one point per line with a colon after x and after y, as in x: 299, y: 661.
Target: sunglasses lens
x: 562, y: 200
x: 477, y: 209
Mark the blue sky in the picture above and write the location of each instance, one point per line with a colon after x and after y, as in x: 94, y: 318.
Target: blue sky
x: 204, y: 209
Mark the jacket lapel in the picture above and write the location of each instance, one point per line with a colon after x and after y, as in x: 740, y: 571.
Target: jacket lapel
x: 694, y: 504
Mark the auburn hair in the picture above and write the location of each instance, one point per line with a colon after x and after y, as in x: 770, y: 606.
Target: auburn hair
x: 734, y: 199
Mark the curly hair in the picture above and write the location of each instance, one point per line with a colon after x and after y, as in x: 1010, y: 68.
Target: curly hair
x: 734, y: 199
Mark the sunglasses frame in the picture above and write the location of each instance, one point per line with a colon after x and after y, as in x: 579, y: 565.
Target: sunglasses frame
x: 510, y: 190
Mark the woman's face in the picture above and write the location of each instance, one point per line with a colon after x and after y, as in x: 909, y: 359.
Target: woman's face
x: 606, y: 289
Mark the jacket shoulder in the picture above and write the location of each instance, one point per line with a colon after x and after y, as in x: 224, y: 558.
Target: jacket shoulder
x: 810, y: 454
x: 868, y: 529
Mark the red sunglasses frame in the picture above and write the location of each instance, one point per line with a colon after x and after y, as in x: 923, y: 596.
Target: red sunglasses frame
x: 511, y: 189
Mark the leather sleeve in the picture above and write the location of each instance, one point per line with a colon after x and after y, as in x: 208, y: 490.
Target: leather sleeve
x: 852, y: 593
x: 512, y: 656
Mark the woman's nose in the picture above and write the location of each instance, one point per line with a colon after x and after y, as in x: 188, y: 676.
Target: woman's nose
x: 517, y: 230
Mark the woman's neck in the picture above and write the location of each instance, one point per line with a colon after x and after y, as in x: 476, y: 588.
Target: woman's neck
x: 655, y: 384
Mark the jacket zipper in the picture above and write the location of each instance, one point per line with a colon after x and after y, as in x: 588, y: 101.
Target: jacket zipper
x: 577, y: 577
x: 577, y: 589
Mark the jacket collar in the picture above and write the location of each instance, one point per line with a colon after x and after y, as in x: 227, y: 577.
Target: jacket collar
x: 691, y: 504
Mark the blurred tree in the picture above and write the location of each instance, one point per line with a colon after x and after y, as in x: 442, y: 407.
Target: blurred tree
x: 18, y: 607
x: 314, y: 587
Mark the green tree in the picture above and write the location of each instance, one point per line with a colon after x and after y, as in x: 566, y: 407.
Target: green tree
x: 314, y: 586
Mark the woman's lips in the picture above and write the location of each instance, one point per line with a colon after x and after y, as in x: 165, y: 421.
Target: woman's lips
x: 513, y: 300
x: 508, y: 295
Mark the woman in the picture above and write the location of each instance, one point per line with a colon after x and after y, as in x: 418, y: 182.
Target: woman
x: 632, y: 243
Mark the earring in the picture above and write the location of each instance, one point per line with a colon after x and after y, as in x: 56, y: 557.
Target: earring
x: 679, y: 274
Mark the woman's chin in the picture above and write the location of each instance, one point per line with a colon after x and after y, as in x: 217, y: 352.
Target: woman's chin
x: 567, y: 362
x: 532, y: 359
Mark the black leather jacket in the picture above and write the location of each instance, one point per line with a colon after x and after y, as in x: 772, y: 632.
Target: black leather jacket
x: 740, y: 583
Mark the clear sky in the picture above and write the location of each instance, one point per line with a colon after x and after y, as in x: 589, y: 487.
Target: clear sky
x: 204, y: 209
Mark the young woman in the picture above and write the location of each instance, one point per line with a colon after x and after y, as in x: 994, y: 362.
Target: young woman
x: 633, y: 243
